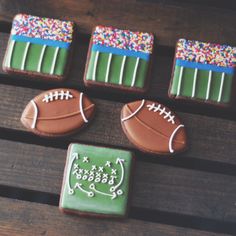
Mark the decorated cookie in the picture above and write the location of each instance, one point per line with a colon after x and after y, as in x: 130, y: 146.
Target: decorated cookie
x: 96, y: 181
x: 39, y: 47
x: 153, y: 128
x: 203, y: 72
x: 57, y: 112
x: 119, y: 59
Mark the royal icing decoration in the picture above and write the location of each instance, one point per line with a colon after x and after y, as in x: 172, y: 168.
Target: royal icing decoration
x: 57, y: 95
x: 124, y: 54
x: 99, y: 185
x: 42, y: 27
x: 39, y: 45
x: 203, y: 71
x: 123, y: 39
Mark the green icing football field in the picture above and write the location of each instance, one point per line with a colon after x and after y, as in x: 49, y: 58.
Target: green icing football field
x: 33, y: 58
x: 202, y: 84
x: 115, y: 69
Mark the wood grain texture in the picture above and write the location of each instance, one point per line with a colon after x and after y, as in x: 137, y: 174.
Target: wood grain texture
x: 205, y: 134
x: 18, y: 218
x: 156, y: 187
x: 168, y: 22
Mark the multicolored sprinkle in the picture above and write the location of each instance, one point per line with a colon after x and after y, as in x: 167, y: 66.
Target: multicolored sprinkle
x: 206, y: 53
x: 123, y: 39
x: 41, y: 27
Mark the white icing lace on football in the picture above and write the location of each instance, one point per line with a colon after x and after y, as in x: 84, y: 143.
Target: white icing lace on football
x: 62, y: 95
x: 162, y: 111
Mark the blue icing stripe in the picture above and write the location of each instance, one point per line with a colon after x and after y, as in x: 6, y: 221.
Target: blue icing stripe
x: 123, y: 52
x: 194, y: 65
x: 40, y: 41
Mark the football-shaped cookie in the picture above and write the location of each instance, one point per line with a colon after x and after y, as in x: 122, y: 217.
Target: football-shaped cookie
x: 57, y: 112
x: 153, y: 128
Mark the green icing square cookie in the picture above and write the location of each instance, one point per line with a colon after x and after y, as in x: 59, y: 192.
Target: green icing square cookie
x: 119, y: 59
x: 39, y: 47
x: 96, y: 181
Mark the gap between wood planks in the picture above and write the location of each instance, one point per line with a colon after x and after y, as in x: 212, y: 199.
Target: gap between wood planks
x: 155, y: 216
x: 180, y: 161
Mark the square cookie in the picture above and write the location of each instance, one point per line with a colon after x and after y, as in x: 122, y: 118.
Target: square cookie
x: 38, y: 47
x: 96, y: 181
x: 203, y: 72
x: 119, y: 59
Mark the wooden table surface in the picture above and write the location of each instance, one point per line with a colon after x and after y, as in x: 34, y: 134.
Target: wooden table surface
x: 193, y: 193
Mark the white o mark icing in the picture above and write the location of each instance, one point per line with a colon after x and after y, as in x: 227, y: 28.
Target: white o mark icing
x: 162, y: 111
x: 172, y: 136
x: 35, y: 114
x: 41, y: 58
x: 81, y: 108
x: 122, y: 70
x: 54, y: 61
x: 79, y: 186
x: 57, y: 95
x: 134, y: 113
x: 135, y: 72
x: 119, y: 161
x: 25, y: 56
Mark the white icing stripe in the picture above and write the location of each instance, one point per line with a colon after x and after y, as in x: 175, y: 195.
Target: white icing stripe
x: 108, y: 67
x: 172, y: 136
x: 122, y: 70
x: 35, y: 114
x: 134, y: 113
x: 41, y: 58
x: 221, y: 87
x: 194, y: 82
x: 11, y: 48
x: 74, y: 156
x: 81, y: 108
x: 54, y: 61
x: 209, y: 85
x: 180, y: 80
x: 25, y: 55
x: 135, y: 72
x: 95, y: 65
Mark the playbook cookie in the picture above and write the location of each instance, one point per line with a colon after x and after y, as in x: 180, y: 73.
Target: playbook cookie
x: 39, y: 47
x: 57, y: 112
x: 96, y: 181
x: 119, y: 59
x: 203, y: 72
x: 153, y: 128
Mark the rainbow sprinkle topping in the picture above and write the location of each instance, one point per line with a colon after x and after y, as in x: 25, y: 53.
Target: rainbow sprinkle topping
x: 43, y: 28
x: 206, y: 53
x: 123, y: 39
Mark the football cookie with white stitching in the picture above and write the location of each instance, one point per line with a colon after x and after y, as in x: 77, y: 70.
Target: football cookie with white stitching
x: 57, y: 112
x: 153, y: 128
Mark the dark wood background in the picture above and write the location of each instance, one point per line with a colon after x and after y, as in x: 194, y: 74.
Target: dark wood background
x: 193, y: 193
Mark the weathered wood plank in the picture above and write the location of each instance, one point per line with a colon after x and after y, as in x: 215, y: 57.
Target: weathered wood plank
x: 25, y: 218
x: 195, y: 22
x: 156, y: 187
x: 207, y: 136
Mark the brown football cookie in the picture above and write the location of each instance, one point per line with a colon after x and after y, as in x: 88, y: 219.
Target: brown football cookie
x: 57, y: 112
x: 153, y: 128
